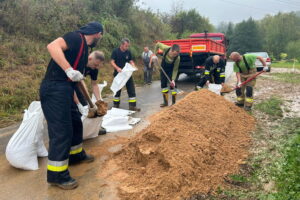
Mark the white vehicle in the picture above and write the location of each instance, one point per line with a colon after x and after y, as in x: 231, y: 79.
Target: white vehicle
x: 265, y: 57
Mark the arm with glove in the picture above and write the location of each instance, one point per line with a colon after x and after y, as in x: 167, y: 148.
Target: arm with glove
x: 266, y: 68
x: 56, y: 50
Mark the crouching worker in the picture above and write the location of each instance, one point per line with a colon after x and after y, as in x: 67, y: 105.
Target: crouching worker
x: 245, y: 68
x: 169, y: 70
x: 95, y: 61
x: 214, y: 71
x: 69, y: 56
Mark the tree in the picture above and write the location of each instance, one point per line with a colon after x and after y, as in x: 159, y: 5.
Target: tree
x: 246, y: 37
x: 293, y: 50
x: 189, y: 21
x: 278, y: 31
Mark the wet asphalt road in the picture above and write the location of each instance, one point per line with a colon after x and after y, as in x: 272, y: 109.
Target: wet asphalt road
x: 31, y: 185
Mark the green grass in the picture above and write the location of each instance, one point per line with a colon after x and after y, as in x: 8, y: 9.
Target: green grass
x: 285, y: 65
x: 275, y: 159
x: 271, y: 106
x: 287, y: 77
x: 287, y: 176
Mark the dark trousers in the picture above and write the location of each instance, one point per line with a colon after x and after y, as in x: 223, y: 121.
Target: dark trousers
x: 148, y: 74
x: 64, y: 128
x: 164, y: 80
x: 130, y: 91
x: 214, y: 77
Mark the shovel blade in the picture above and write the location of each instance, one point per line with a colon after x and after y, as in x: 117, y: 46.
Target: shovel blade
x: 226, y: 88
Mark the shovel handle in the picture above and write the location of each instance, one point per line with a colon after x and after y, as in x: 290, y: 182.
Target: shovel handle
x: 250, y: 79
x: 85, y: 93
x: 165, y: 74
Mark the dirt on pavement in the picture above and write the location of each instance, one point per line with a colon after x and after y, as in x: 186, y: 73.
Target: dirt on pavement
x: 188, y: 148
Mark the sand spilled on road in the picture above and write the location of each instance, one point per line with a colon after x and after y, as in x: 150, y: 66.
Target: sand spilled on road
x: 188, y: 148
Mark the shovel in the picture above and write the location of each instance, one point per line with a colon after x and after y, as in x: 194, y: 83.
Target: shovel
x: 177, y: 91
x: 227, y: 89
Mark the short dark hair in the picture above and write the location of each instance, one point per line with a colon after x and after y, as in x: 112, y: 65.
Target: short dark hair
x: 175, y: 47
x: 125, y: 40
x: 98, y: 55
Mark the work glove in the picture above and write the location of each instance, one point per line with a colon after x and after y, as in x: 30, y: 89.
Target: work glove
x: 172, y: 84
x: 74, y: 75
x: 207, y: 83
x: 239, y: 84
x: 80, y: 108
x: 265, y: 68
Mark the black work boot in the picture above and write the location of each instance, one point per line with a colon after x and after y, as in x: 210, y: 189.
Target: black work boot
x: 166, y: 99
x: 116, y: 105
x: 174, y: 98
x: 241, y: 105
x: 68, y: 185
x: 83, y: 159
x: 134, y: 108
x: 247, y: 108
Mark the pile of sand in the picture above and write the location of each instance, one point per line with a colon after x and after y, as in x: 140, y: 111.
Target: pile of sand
x: 188, y: 148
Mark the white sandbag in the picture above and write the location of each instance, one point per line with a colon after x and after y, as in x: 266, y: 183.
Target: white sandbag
x: 133, y: 121
x: 101, y: 86
x: 216, y: 88
x: 91, y: 127
x: 22, y: 148
x: 119, y: 112
x: 122, y: 77
x: 115, y: 123
x: 118, y: 119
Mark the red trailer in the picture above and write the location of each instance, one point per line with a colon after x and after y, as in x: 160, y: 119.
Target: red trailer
x: 195, y: 50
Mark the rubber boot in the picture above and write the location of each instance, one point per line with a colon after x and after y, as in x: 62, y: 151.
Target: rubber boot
x: 116, y: 105
x: 174, y: 98
x: 134, y: 108
x: 247, y: 108
x: 166, y: 99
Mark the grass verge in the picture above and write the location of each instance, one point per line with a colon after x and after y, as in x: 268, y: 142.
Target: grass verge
x: 287, y: 77
x: 285, y: 65
x: 272, y: 107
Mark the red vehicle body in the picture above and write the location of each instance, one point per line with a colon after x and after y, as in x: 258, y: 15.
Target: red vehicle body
x: 195, y: 50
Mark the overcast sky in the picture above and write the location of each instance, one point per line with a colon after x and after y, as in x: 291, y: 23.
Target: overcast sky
x: 225, y: 10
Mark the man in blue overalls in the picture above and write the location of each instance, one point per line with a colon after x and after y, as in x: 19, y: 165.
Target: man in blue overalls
x: 69, y: 56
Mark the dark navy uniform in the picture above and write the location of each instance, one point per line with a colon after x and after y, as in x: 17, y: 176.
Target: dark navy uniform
x: 214, y: 73
x: 62, y: 115
x: 121, y: 58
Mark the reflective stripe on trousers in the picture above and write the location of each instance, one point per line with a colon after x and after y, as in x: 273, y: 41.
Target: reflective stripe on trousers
x: 164, y: 90
x: 249, y: 100
x: 132, y: 100
x: 76, y: 149
x: 58, y: 166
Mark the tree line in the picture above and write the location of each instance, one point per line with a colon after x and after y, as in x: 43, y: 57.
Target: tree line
x: 27, y: 25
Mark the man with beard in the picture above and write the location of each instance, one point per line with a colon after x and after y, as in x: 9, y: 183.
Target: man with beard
x: 69, y: 56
